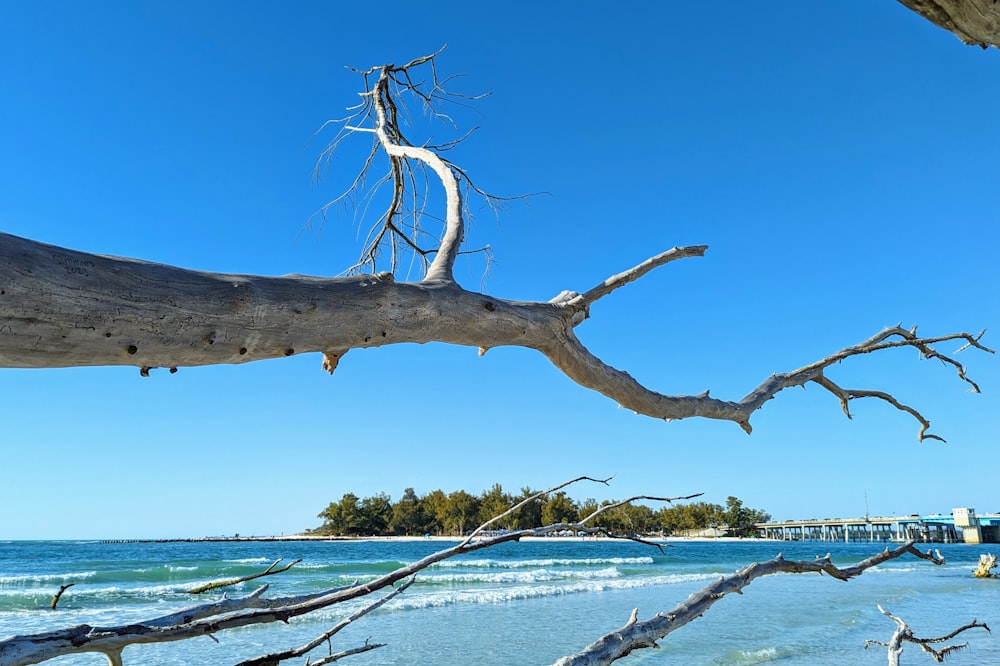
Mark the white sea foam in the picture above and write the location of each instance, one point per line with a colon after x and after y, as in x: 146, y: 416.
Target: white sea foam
x: 46, y: 578
x: 535, y: 576
x: 426, y: 598
x: 521, y: 564
x: 761, y: 656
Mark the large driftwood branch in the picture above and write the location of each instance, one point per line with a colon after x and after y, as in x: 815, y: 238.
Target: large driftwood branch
x: 904, y: 634
x: 60, y: 308
x: 973, y: 21
x: 63, y: 308
x: 636, y: 635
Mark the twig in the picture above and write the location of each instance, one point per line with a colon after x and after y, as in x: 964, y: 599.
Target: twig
x: 276, y: 657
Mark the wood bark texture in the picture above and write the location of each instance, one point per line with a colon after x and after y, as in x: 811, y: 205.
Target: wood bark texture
x: 973, y: 21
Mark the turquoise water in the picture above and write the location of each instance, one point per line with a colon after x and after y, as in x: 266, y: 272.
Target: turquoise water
x: 524, y: 603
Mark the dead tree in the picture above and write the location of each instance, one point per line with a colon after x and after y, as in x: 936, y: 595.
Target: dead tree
x: 60, y: 307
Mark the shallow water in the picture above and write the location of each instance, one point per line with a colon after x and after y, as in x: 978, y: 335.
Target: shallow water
x: 524, y: 603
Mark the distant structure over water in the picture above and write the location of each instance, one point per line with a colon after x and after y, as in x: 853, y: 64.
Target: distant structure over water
x: 962, y: 526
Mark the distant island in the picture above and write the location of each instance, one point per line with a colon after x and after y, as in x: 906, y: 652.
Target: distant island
x: 452, y: 514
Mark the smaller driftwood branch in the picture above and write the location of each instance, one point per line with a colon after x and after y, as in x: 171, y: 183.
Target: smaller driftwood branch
x: 584, y: 301
x: 528, y: 500
x: 636, y: 635
x: 904, y: 634
x: 579, y: 364
x: 55, y: 599
x: 276, y: 657
x: 270, y: 571
x: 337, y: 656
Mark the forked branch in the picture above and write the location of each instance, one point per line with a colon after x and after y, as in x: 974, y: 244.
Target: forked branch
x: 587, y: 370
x: 904, y: 634
x: 107, y: 311
x: 636, y: 635
x: 382, y: 114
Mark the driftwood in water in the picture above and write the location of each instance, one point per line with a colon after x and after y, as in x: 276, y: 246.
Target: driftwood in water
x: 987, y: 563
x: 635, y: 634
x: 270, y: 571
x: 63, y: 588
x: 904, y: 634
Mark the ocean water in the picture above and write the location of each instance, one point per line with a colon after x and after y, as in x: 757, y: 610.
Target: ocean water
x: 519, y: 603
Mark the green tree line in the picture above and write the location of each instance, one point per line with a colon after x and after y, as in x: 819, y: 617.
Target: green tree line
x: 451, y: 514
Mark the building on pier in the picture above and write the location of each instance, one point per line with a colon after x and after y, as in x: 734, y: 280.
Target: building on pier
x: 962, y: 525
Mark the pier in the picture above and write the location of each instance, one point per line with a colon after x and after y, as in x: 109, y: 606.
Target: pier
x: 961, y: 526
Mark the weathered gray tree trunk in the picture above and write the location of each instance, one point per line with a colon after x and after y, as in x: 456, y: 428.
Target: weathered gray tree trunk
x: 60, y: 307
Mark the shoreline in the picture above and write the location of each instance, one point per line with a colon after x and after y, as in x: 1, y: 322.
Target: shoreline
x: 438, y: 539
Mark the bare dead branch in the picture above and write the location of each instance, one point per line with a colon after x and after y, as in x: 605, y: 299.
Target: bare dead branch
x: 382, y: 113
x: 58, y: 595
x: 904, y: 634
x: 570, y: 356
x: 337, y: 656
x: 582, y: 302
x: 636, y: 635
x: 277, y: 657
x: 528, y: 500
x: 270, y: 571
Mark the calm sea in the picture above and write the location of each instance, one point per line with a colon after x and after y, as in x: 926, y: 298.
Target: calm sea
x: 526, y: 603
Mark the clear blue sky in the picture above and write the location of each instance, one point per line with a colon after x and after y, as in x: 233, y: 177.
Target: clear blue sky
x: 838, y: 158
